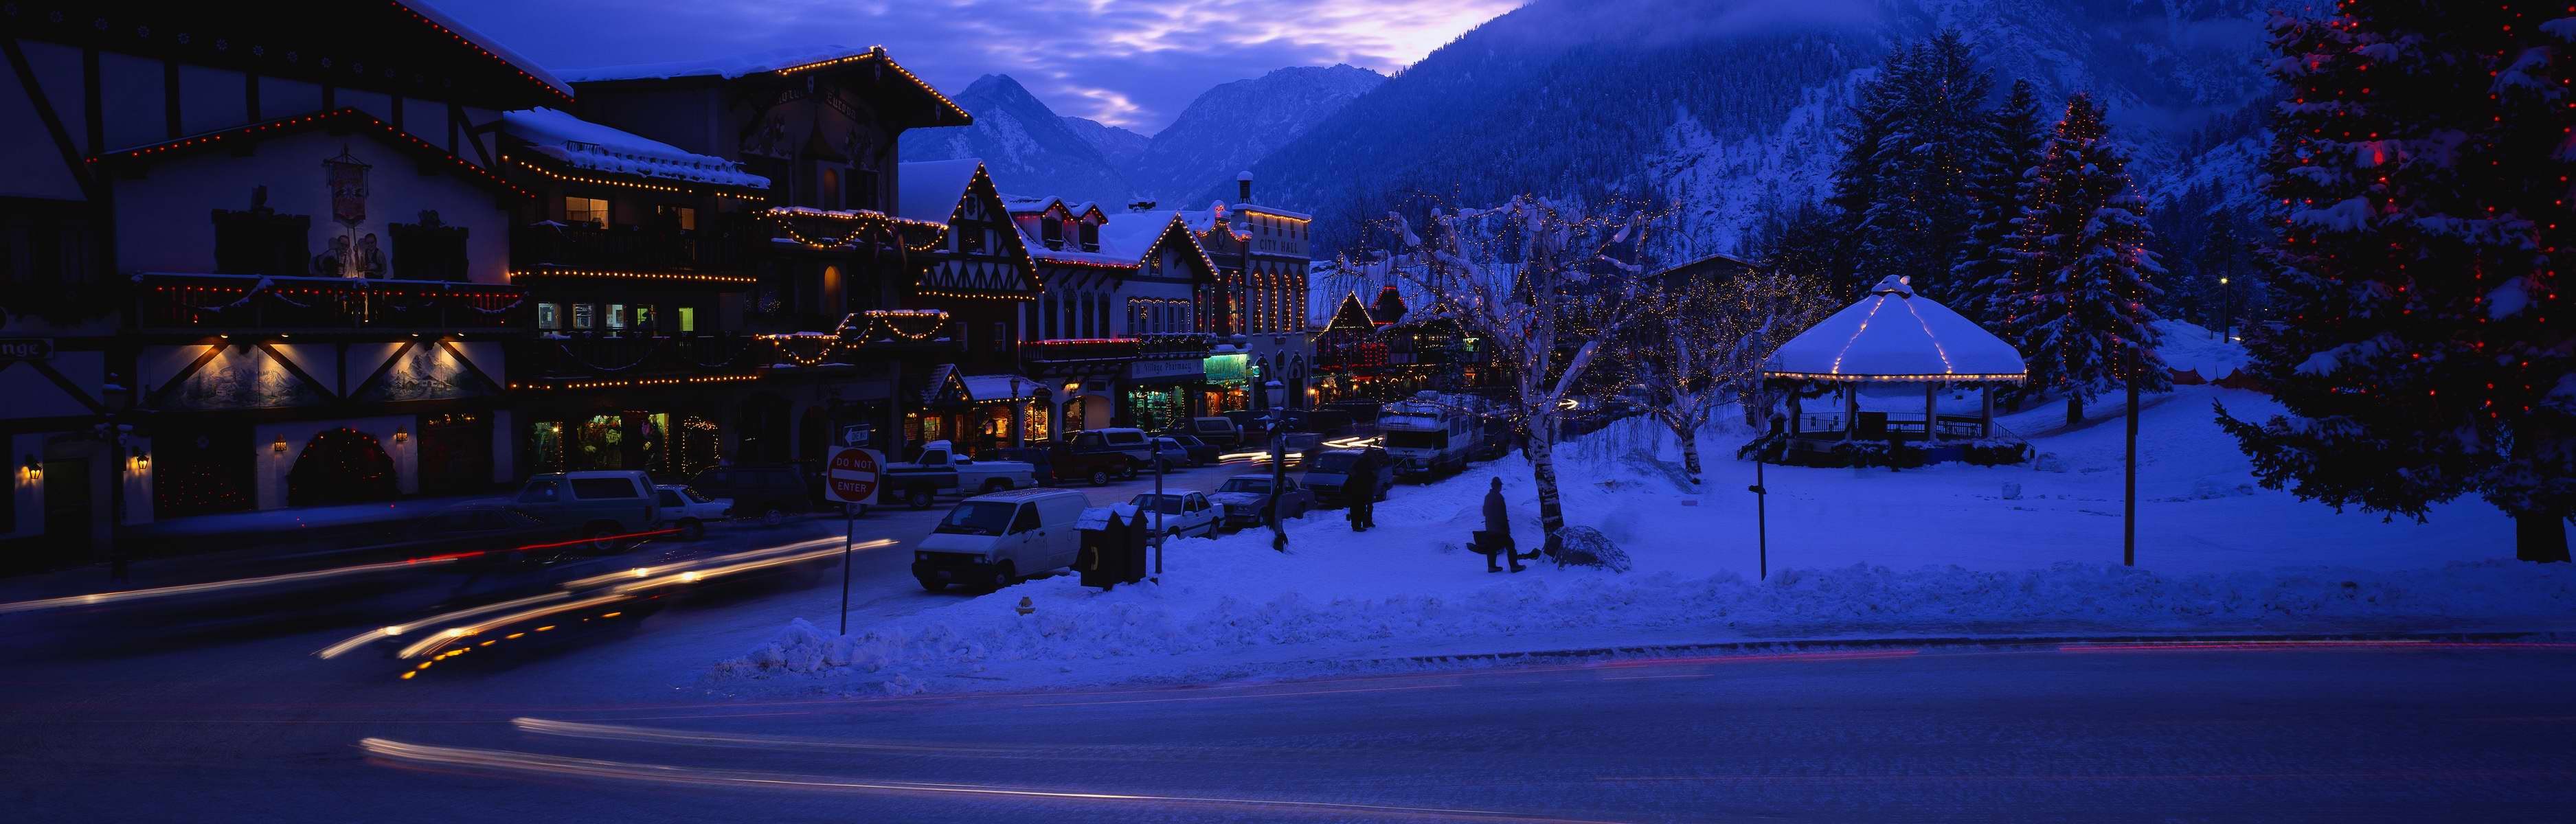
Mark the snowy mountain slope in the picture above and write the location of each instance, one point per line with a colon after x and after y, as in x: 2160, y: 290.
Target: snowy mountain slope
x: 1027, y: 147
x: 1728, y: 106
x: 1119, y: 145
x: 1229, y: 127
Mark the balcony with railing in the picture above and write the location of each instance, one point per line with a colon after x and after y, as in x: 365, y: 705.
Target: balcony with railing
x: 227, y: 304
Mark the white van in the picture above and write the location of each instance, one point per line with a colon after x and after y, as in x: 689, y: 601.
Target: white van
x: 992, y: 540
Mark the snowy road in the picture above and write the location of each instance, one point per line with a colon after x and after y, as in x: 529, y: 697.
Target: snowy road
x: 2372, y: 732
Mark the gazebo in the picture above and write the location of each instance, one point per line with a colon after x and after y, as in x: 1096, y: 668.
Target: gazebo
x: 1893, y: 336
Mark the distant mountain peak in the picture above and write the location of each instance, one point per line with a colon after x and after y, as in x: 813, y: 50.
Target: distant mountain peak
x: 1026, y: 146
x: 1235, y: 124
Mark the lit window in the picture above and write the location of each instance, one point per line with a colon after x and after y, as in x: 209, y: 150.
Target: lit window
x: 591, y: 210
x: 684, y: 217
x: 644, y: 318
x: 548, y: 316
x: 617, y: 316
x: 688, y: 319
x: 583, y: 314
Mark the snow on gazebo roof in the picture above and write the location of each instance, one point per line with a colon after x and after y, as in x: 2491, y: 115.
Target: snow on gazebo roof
x: 1896, y: 335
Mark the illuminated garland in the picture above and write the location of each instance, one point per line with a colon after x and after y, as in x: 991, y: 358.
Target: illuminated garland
x: 668, y: 276
x: 879, y: 53
x: 505, y: 62
x: 306, y: 121
x: 523, y: 163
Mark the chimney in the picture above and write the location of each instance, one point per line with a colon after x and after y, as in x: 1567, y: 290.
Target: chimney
x: 1243, y: 188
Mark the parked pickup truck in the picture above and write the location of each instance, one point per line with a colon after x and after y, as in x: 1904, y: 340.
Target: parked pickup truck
x: 940, y: 470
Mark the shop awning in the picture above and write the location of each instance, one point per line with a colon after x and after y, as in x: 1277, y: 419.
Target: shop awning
x: 982, y: 388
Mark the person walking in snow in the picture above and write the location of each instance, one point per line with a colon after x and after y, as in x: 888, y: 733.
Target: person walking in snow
x: 1496, y: 539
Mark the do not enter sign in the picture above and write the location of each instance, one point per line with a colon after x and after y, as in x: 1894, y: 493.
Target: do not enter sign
x: 852, y: 476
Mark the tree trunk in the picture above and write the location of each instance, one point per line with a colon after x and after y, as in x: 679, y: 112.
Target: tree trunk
x: 2540, y: 537
x: 2074, y: 409
x: 1551, y: 509
x: 1690, y: 457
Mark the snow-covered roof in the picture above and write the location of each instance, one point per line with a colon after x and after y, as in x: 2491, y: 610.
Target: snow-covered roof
x: 487, y: 44
x: 582, y: 144
x: 1896, y: 335
x: 1272, y: 210
x: 726, y: 66
x: 929, y: 190
x: 1124, y: 237
x: 998, y: 387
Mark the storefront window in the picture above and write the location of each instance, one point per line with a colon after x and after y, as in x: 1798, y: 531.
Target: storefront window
x: 1155, y: 409
x: 598, y: 444
x: 546, y: 446
x: 549, y: 316
x: 583, y: 314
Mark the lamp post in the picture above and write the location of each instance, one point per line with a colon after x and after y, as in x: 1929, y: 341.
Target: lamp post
x: 1277, y: 393
x: 2222, y: 309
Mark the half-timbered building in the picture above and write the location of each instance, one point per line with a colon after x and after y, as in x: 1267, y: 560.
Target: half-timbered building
x: 255, y: 257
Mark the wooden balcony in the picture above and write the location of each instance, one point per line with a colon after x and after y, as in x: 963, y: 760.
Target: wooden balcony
x: 274, y: 304
x: 719, y: 251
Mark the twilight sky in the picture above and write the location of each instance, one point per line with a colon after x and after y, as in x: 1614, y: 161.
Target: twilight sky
x: 1134, y: 63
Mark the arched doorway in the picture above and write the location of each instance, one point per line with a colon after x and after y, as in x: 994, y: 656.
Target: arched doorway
x: 340, y: 466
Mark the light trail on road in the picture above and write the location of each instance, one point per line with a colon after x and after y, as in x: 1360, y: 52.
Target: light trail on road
x: 374, y: 635
x: 510, y: 761
x: 237, y: 583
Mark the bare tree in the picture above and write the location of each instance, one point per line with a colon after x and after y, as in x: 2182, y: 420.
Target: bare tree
x: 1546, y: 284
x: 1702, y: 342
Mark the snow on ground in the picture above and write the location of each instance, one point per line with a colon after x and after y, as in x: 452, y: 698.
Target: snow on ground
x: 1941, y: 551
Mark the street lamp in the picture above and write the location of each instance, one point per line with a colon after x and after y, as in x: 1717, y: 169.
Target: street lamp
x: 2222, y: 309
x: 1277, y: 393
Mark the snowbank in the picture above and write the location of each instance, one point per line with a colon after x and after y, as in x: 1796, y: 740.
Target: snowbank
x: 1942, y: 551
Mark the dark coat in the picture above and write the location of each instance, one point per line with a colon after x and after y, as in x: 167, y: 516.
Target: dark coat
x: 1498, y: 518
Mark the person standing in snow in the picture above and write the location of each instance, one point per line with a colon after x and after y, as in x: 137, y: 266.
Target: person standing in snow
x: 1496, y: 539
x: 1361, y: 491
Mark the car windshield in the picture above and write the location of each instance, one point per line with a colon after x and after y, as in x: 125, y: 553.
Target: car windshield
x: 693, y: 494
x: 977, y: 518
x: 1170, y: 504
x: 1252, y: 485
x: 1334, y: 461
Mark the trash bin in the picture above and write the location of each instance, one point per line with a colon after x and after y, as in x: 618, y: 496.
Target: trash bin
x: 1113, y: 546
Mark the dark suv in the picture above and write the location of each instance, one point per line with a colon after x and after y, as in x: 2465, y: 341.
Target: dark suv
x: 766, y: 491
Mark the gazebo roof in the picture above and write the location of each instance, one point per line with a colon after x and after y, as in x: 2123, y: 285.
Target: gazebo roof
x: 1896, y: 335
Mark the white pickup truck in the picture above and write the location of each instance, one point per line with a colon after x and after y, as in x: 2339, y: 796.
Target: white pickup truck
x: 940, y: 470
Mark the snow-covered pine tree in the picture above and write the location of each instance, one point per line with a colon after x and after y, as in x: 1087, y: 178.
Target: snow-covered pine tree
x: 1935, y: 128
x: 2082, y: 293
x: 2011, y: 146
x: 1856, y: 179
x: 2419, y: 169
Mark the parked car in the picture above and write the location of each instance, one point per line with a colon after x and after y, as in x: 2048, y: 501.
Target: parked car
x: 1128, y: 441
x: 994, y: 539
x: 1041, y: 461
x: 606, y: 507
x: 1242, y: 498
x: 1179, y: 512
x: 1298, y: 444
x: 1201, y: 452
x: 1098, y: 466
x: 1217, y: 431
x: 1171, y: 453
x: 940, y: 470
x: 1327, y: 471
x: 686, y: 509
x: 769, y: 492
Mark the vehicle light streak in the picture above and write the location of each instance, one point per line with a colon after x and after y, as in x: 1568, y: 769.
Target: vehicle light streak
x: 442, y: 637
x: 579, y: 541
x: 2295, y: 644
x: 370, y: 636
x: 700, y: 575
x: 556, y: 765
x: 639, y: 573
x: 619, y: 732
x: 238, y: 583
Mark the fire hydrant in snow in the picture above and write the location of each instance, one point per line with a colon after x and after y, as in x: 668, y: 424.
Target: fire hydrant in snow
x: 1026, y: 607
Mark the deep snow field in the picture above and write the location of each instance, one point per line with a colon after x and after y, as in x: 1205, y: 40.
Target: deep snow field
x: 1943, y: 551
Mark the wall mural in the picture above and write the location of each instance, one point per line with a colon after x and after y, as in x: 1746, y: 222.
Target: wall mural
x: 241, y: 378
x: 426, y: 371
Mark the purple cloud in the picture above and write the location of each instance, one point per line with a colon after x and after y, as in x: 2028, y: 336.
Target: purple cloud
x: 1134, y: 63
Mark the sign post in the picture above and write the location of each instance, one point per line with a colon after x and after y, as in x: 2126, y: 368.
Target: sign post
x: 851, y: 478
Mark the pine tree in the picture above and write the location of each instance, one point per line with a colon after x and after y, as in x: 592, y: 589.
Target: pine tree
x: 1934, y: 128
x: 2082, y: 293
x: 2419, y: 172
x: 2010, y: 147
x: 1855, y: 178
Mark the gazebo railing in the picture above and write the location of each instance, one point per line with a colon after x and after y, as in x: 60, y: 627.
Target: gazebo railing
x: 1831, y: 424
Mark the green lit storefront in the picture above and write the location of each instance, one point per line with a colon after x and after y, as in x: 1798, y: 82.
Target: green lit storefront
x: 1161, y: 392
x: 667, y: 444
x: 1223, y: 386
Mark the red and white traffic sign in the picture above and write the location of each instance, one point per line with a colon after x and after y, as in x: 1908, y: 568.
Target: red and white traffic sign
x: 852, y: 476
